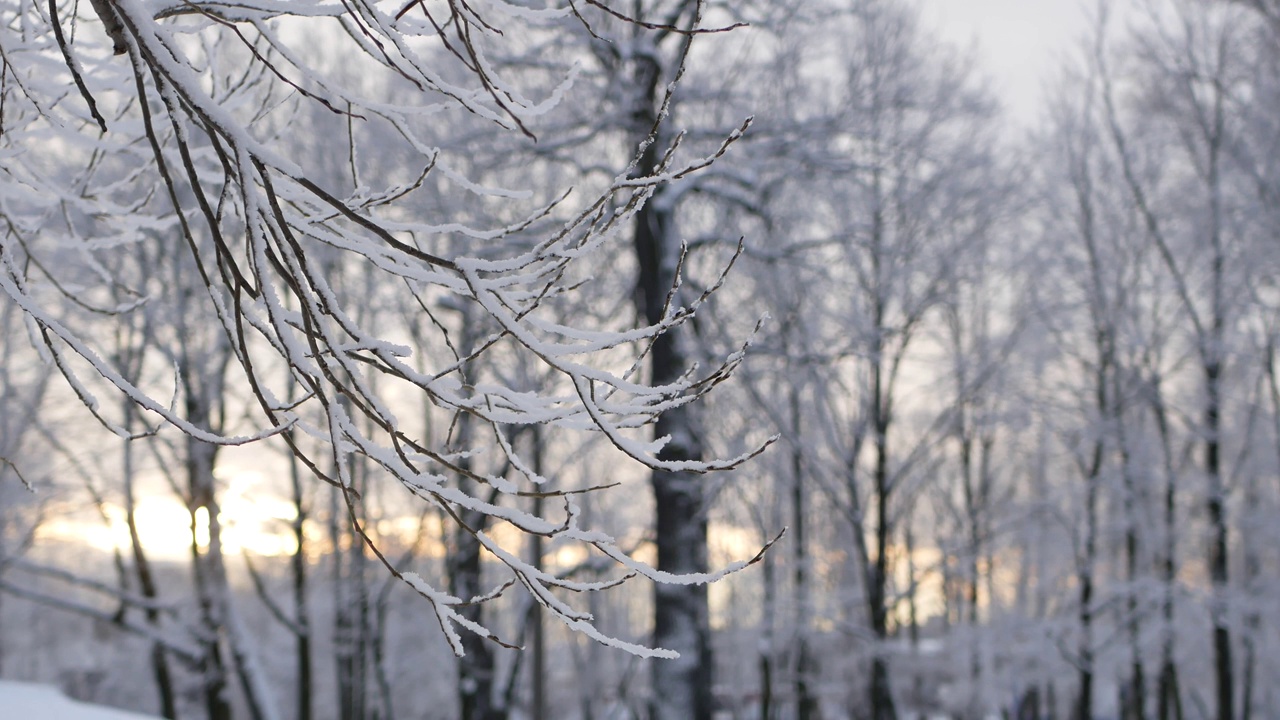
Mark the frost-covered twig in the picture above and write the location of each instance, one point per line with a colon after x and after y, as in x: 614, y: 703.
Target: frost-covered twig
x: 196, y: 102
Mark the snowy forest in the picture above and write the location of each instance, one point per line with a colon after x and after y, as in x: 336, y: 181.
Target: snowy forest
x: 637, y: 359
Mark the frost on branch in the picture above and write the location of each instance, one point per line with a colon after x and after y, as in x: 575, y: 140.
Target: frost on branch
x: 185, y: 138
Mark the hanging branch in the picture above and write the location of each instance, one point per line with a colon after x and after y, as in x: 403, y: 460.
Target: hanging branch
x: 266, y: 237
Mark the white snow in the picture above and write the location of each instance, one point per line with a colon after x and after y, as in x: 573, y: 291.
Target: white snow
x: 31, y: 700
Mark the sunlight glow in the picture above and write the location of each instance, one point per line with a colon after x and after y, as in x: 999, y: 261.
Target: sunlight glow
x: 257, y: 525
x: 202, y: 528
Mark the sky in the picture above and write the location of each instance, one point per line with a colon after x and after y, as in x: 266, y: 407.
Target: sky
x: 1019, y: 41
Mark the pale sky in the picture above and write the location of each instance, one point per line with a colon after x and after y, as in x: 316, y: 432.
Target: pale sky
x: 1019, y: 41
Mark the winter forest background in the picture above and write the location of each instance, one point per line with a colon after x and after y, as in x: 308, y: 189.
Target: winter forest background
x: 350, y: 345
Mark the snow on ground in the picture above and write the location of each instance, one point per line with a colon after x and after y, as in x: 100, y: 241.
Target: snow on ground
x: 31, y: 700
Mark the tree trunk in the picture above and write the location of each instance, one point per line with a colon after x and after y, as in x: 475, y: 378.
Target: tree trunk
x: 351, y: 607
x: 682, y: 687
x: 769, y: 608
x: 1084, y: 701
x: 806, y: 703
x: 539, y: 641
x: 475, y: 668
x: 1168, y: 701
x: 913, y: 613
x: 1135, y: 705
x: 975, y: 552
x: 146, y: 581
x: 1218, y: 560
x: 1253, y: 621
x: 881, y: 693
x: 229, y: 647
x: 298, y: 569
x: 1212, y: 352
x: 882, y: 706
x: 200, y: 496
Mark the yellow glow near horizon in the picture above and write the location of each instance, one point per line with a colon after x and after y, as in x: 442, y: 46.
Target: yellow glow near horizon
x: 930, y: 601
x: 253, y: 523
x: 164, y: 524
x: 202, y: 528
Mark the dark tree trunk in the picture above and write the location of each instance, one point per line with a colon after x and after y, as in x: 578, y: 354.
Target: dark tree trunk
x: 351, y: 613
x: 200, y: 457
x: 1218, y: 560
x: 681, y: 622
x: 1212, y: 352
x: 298, y: 568
x: 913, y: 614
x: 881, y: 693
x: 682, y: 687
x: 538, y: 643
x: 475, y: 668
x: 765, y: 660
x: 146, y: 581
x: 1168, y: 699
x: 1084, y: 701
x: 1134, y: 706
x: 806, y: 703
x: 972, y: 510
x: 882, y: 705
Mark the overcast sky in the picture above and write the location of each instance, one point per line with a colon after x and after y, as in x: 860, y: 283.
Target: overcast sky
x: 1019, y: 41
